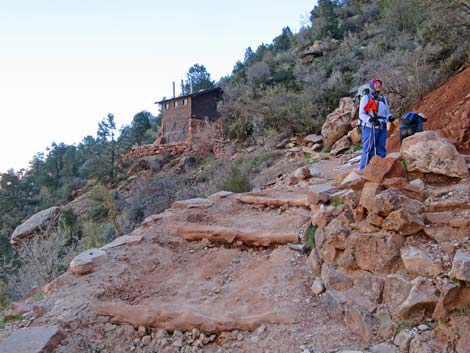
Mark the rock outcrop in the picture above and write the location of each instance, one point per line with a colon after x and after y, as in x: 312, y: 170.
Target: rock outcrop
x: 36, y: 223
x: 338, y: 123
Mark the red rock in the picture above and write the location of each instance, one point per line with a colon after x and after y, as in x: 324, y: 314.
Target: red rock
x: 452, y: 205
x: 393, y: 199
x: 414, y: 190
x: 461, y: 266
x: 387, y: 328
x: 360, y: 322
x: 420, y: 302
x: 396, y: 290
x: 438, y: 217
x: 320, y: 193
x: 314, y: 262
x: 86, y: 261
x: 385, y: 247
x: 418, y: 262
x: 443, y: 234
x: 403, y: 222
x: 379, y: 169
x: 369, y: 191
x: 453, y: 297
x: 323, y: 216
x: 352, y: 181
x: 364, y: 227
x: 369, y: 285
x: 335, y: 279
x: 374, y: 220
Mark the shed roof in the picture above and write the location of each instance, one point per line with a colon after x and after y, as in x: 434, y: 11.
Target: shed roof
x: 194, y: 94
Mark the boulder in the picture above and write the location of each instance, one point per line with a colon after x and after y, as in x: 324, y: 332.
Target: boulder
x: 443, y: 234
x: 335, y: 279
x: 323, y: 216
x: 338, y: 123
x: 421, y: 301
x: 360, y: 322
x: 347, y: 196
x: 314, y: 262
x: 418, y: 262
x: 387, y: 328
x: 86, y: 261
x: 320, y: 193
x: 36, y: 223
x: 341, y: 146
x: 369, y: 285
x: 414, y: 189
x: 428, y: 152
x: 352, y: 181
x: 336, y: 302
x: 438, y: 217
x: 393, y: 199
x: 453, y: 297
x: 384, y: 247
x: 336, y: 234
x: 403, y: 339
x: 368, y: 193
x: 41, y: 339
x: 355, y: 135
x: 404, y: 222
x: 313, y: 138
x: 461, y: 266
x: 396, y: 290
x: 379, y: 168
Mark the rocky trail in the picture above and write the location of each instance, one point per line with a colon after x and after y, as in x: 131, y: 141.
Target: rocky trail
x: 388, y: 272
x: 207, y: 275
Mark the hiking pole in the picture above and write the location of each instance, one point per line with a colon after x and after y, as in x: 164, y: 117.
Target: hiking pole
x: 375, y: 144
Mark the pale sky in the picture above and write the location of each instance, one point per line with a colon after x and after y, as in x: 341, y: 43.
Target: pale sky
x: 66, y: 64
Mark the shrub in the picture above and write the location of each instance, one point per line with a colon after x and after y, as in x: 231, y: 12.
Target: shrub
x: 39, y: 260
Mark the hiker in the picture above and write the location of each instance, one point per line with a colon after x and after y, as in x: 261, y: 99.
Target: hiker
x: 374, y: 114
x: 411, y: 123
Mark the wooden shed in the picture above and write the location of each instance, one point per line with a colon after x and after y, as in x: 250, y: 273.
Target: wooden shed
x: 185, y: 115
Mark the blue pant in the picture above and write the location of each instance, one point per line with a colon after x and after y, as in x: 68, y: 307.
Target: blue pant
x: 371, y: 144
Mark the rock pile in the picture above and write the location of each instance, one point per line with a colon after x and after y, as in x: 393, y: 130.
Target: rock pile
x: 386, y: 255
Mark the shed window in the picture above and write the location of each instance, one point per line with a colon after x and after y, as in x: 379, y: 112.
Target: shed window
x: 175, y: 104
x: 185, y: 101
x: 167, y: 106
